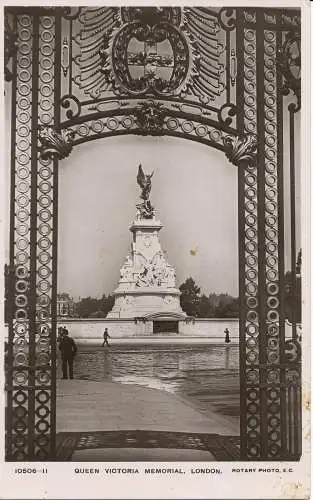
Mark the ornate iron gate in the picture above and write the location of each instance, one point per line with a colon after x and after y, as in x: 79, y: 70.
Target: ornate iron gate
x: 216, y: 76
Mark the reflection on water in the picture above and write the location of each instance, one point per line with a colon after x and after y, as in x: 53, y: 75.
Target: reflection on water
x: 206, y: 374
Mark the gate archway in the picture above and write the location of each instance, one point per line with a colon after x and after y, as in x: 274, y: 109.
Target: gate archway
x: 216, y: 76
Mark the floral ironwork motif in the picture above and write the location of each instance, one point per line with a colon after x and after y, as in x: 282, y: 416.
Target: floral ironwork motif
x: 55, y: 143
x: 289, y: 63
x: 241, y: 149
x: 150, y: 117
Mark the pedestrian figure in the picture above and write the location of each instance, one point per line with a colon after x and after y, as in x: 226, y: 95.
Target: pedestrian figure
x: 60, y: 334
x: 59, y: 338
x: 68, y: 350
x: 105, y: 338
x: 227, y: 339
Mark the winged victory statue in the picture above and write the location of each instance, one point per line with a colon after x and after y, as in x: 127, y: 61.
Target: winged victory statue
x: 145, y: 209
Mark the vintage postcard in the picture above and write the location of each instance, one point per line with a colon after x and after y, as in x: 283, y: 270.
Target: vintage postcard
x: 156, y: 250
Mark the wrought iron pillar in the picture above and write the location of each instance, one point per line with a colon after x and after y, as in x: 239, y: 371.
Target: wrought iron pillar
x: 31, y: 380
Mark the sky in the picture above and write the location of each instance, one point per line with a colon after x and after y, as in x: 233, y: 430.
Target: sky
x: 194, y: 192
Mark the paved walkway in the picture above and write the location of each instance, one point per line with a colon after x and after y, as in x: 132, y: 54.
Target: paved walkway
x: 93, y: 406
x: 141, y: 455
x: 107, y: 406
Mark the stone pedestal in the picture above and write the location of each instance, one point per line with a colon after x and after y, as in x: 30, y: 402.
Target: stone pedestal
x: 147, y: 281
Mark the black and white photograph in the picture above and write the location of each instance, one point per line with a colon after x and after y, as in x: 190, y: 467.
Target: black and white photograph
x: 155, y: 242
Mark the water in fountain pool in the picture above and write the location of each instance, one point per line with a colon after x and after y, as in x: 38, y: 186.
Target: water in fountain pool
x: 205, y: 374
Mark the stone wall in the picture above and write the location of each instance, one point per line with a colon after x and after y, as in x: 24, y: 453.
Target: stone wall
x: 213, y: 328
x: 128, y: 328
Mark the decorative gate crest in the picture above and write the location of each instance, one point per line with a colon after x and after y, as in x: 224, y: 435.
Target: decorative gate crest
x: 150, y: 50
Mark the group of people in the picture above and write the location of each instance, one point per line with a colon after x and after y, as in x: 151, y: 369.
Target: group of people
x: 68, y: 349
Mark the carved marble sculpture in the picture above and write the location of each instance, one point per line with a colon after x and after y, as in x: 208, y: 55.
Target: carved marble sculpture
x: 147, y: 280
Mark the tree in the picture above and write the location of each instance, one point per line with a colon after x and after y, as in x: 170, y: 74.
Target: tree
x: 190, y: 297
x: 90, y: 307
x: 205, y: 308
x: 199, y: 305
x: 228, y: 307
x: 86, y: 307
x: 107, y: 304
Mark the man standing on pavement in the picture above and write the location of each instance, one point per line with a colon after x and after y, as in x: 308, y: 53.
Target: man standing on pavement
x: 68, y: 350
